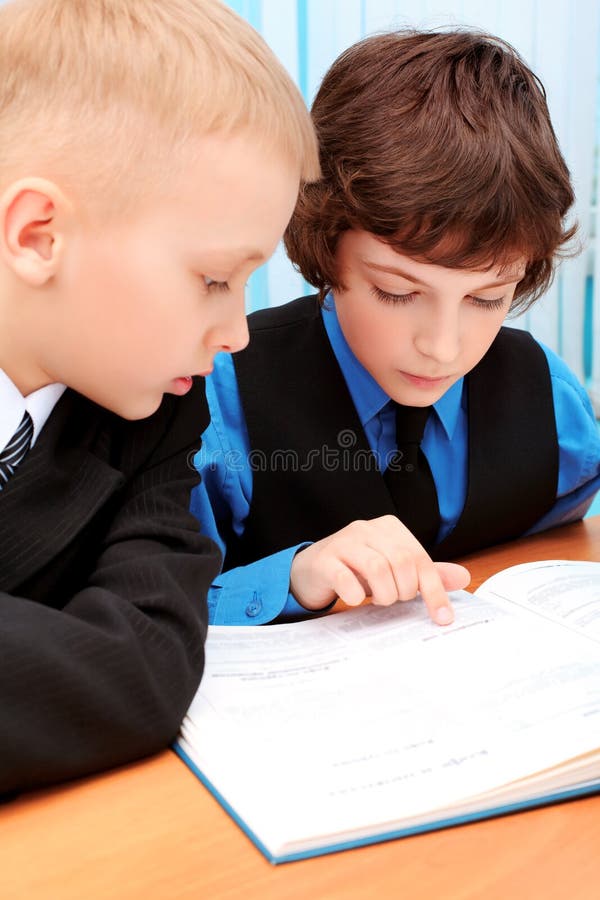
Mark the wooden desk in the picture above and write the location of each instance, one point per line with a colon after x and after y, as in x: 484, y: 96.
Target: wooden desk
x: 152, y: 831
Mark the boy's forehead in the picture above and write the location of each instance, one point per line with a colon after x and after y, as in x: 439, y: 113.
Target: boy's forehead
x: 456, y: 244
x: 384, y: 255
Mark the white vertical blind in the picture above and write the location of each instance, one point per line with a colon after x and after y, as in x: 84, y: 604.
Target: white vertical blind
x: 560, y: 41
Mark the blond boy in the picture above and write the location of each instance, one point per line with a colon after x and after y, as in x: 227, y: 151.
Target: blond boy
x: 150, y: 158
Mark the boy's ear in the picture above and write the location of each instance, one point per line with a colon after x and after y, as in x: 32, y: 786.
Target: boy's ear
x: 32, y: 224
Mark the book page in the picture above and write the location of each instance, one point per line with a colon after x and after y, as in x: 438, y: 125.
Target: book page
x: 560, y: 590
x: 377, y: 715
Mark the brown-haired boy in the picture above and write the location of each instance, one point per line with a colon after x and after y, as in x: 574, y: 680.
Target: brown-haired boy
x: 404, y: 425
x: 150, y: 158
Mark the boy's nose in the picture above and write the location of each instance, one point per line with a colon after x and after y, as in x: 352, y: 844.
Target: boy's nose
x: 439, y: 339
x: 231, y: 333
x: 238, y: 335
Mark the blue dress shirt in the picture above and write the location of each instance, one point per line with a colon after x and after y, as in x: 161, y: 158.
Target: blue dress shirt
x: 258, y: 593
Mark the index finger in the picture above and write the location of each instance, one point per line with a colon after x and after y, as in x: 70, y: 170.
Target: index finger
x: 434, y: 595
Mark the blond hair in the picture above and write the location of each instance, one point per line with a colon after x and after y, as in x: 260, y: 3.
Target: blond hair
x: 98, y: 93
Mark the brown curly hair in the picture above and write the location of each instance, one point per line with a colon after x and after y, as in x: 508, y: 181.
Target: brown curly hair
x: 441, y: 144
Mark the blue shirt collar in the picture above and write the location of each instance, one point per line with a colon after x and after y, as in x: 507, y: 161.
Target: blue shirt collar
x: 367, y: 395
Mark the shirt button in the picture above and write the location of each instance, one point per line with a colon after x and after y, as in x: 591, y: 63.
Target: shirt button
x: 254, y: 607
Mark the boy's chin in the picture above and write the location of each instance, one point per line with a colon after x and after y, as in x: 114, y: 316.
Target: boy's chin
x: 143, y: 411
x: 418, y: 397
x: 130, y: 408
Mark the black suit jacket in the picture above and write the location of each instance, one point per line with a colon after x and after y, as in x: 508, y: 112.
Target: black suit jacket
x: 103, y: 579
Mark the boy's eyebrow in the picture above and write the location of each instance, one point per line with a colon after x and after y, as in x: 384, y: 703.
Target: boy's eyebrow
x: 508, y: 278
x: 391, y: 270
x: 229, y: 255
x: 249, y: 254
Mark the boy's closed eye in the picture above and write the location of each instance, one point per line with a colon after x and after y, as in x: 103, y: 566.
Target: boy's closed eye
x: 213, y: 285
x: 483, y: 302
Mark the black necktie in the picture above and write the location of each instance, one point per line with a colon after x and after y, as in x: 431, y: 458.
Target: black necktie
x: 16, y: 449
x: 408, y: 476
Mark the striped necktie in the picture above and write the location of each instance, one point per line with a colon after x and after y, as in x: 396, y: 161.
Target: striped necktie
x: 16, y: 449
x: 408, y: 476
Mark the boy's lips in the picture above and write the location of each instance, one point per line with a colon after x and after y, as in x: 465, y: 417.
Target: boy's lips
x: 424, y: 381
x: 181, y: 385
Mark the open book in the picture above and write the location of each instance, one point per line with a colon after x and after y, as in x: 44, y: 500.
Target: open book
x: 375, y: 723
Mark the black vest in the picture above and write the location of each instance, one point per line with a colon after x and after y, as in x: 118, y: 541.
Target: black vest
x: 314, y: 472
